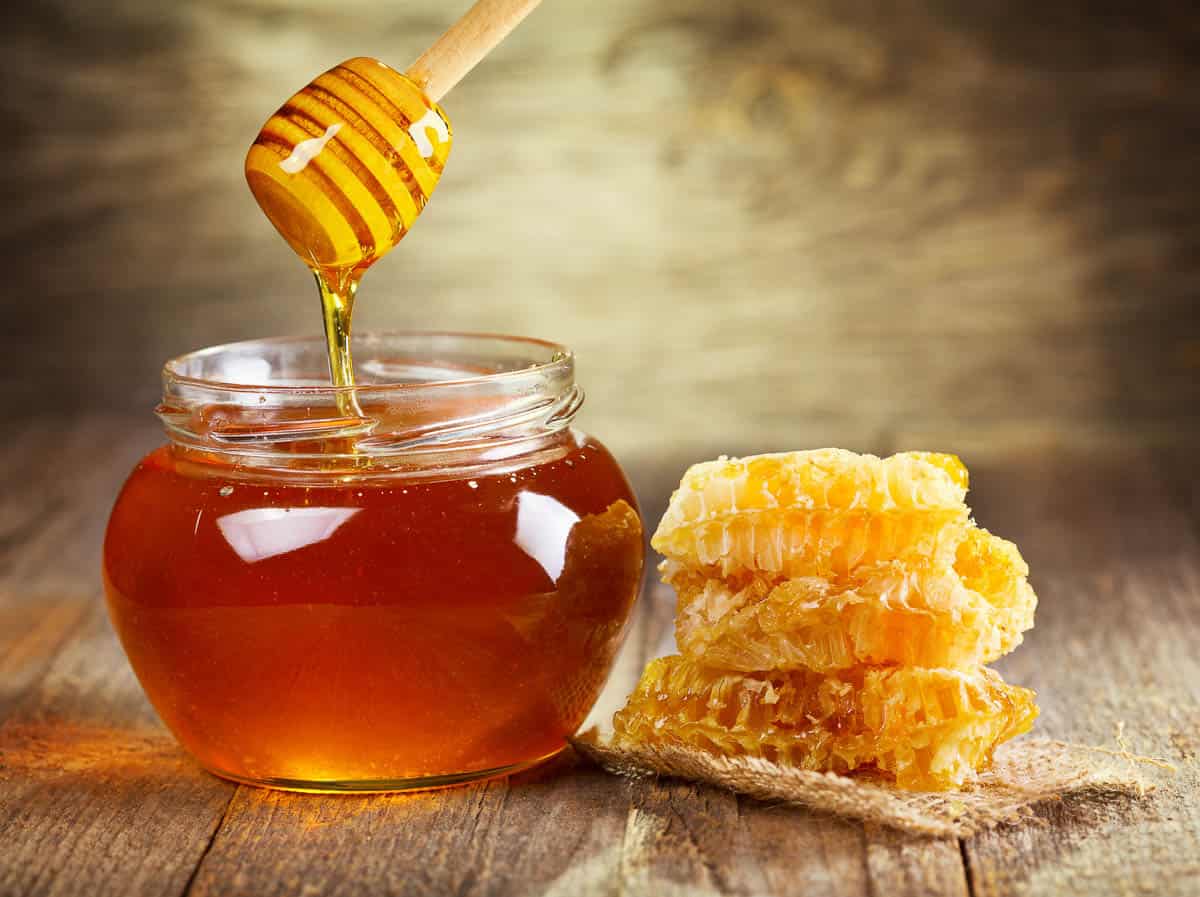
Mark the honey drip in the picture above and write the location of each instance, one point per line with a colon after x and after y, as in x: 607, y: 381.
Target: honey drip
x: 337, y: 289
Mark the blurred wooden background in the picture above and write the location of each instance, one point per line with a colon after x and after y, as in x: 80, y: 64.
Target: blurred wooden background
x: 968, y: 226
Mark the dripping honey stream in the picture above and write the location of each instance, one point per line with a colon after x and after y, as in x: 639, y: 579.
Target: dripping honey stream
x: 337, y: 290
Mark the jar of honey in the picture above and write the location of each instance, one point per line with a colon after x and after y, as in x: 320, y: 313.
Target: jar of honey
x: 419, y: 580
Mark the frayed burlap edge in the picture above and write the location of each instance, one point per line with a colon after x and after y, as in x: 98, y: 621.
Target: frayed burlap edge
x: 1026, y: 772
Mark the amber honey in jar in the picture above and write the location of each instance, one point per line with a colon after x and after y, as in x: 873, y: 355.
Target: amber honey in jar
x: 429, y: 593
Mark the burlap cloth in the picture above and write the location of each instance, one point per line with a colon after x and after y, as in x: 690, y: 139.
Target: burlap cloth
x: 1027, y: 772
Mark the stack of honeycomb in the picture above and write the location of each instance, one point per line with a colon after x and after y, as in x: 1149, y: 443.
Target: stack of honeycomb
x: 835, y: 612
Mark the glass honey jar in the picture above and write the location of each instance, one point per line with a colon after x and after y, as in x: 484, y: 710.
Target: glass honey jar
x: 413, y: 582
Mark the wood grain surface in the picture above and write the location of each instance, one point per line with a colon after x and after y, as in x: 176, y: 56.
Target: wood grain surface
x: 97, y: 799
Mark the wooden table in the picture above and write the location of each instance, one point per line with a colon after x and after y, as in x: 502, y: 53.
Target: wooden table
x: 96, y: 798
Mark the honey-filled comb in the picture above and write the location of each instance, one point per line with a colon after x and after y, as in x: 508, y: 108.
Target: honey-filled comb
x: 345, y: 166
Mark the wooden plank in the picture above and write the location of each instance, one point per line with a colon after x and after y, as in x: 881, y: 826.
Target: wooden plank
x: 28, y: 458
x: 30, y: 636
x: 58, y: 478
x: 56, y: 496
x: 31, y: 630
x: 1113, y: 656
x: 95, y: 796
x: 681, y: 839
x: 551, y: 830
x: 904, y: 864
x: 828, y: 857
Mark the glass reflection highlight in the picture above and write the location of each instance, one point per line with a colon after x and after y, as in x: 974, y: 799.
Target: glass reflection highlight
x: 543, y: 525
x: 259, y: 533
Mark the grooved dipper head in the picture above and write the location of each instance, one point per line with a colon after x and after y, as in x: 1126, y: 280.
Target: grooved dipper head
x: 345, y: 166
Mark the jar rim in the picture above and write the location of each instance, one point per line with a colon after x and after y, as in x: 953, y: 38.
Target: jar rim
x: 424, y: 399
x: 561, y: 358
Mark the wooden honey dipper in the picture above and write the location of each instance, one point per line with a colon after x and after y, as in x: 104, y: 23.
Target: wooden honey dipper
x: 346, y: 165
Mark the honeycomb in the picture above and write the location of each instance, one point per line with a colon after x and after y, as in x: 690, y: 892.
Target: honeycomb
x: 834, y: 612
x: 815, y: 513
x: 926, y: 729
x: 924, y: 614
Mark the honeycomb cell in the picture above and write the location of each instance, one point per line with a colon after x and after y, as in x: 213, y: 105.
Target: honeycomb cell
x: 921, y: 614
x: 926, y: 729
x: 815, y: 513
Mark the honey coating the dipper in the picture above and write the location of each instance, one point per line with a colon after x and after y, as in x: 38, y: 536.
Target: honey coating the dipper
x: 345, y: 166
x: 833, y: 614
x: 342, y: 170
